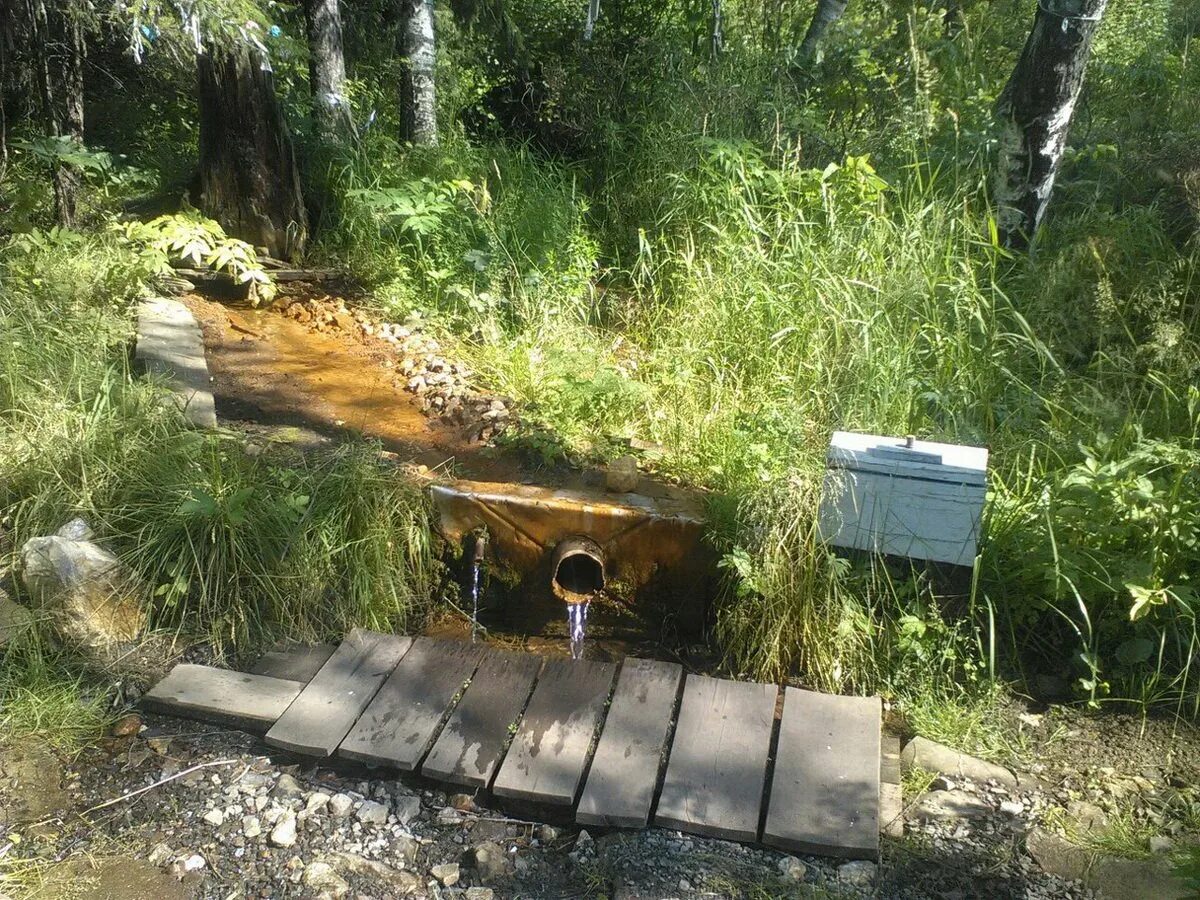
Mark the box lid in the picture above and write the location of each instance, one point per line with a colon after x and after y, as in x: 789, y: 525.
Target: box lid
x: 901, y: 458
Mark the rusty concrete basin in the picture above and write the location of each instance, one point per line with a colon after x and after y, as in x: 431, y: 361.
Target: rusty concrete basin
x: 653, y: 548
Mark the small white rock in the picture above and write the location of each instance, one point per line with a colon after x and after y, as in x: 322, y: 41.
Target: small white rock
x: 447, y: 874
x: 340, y: 805
x: 251, y: 826
x: 284, y: 834
x: 407, y: 808
x: 215, y: 817
x: 372, y: 813
x: 315, y: 802
x: 193, y: 863
x: 160, y: 855
x: 792, y: 868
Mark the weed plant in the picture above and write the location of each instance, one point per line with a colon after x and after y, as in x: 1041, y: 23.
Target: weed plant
x: 228, y: 546
x: 733, y: 263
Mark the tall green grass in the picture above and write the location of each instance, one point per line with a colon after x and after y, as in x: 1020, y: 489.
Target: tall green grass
x: 228, y: 546
x: 765, y: 304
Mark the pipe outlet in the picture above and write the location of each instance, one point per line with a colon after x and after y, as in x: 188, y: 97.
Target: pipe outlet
x: 577, y: 570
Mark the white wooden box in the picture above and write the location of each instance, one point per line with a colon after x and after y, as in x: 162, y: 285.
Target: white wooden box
x: 902, y: 497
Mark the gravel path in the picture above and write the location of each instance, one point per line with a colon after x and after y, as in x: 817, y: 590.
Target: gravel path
x: 231, y: 820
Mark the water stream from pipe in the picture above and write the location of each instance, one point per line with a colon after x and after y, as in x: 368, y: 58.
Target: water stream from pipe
x: 577, y: 625
x: 477, y: 564
x: 475, y: 601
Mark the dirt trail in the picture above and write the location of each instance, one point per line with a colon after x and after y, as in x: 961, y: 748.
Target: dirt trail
x: 273, y: 370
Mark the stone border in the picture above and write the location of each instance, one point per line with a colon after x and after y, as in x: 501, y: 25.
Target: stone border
x: 170, y: 344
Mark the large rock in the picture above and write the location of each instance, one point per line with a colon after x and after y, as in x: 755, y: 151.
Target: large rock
x: 89, y: 597
x: 922, y: 753
x: 941, y: 805
x: 1110, y: 877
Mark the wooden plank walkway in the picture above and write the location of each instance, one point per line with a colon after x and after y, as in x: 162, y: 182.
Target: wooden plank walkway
x: 252, y: 702
x: 546, y: 761
x: 398, y: 727
x: 718, y: 761
x: 825, y: 790
x: 694, y: 754
x: 620, y: 786
x: 321, y: 716
x: 475, y: 737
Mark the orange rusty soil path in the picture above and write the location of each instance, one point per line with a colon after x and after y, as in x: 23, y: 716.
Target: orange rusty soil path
x: 273, y: 370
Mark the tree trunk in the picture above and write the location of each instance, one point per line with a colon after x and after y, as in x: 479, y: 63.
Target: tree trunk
x: 828, y: 12
x: 418, y: 99
x: 59, y: 77
x: 717, y: 40
x: 593, y: 13
x: 249, y: 181
x: 1034, y: 113
x: 327, y: 69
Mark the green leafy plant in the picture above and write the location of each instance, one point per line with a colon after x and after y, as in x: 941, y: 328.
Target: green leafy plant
x: 190, y: 238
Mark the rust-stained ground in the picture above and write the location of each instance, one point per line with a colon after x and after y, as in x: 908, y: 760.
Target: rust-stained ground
x: 271, y: 370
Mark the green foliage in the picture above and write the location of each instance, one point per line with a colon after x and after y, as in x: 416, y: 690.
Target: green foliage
x: 189, y: 237
x: 107, y: 180
x: 41, y: 697
x: 1115, y: 552
x: 229, y: 546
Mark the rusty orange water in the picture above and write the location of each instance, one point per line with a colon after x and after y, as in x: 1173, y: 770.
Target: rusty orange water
x: 274, y: 370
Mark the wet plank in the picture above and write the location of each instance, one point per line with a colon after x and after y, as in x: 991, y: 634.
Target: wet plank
x: 472, y: 744
x: 399, y: 725
x: 546, y: 761
x: 620, y: 784
x: 298, y: 662
x: 825, y: 790
x: 718, y: 761
x: 321, y: 716
x: 252, y: 702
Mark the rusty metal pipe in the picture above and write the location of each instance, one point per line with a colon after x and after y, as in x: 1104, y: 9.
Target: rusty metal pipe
x: 577, y: 571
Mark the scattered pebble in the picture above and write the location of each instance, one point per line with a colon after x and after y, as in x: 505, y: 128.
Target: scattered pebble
x: 372, y: 813
x: 284, y: 834
x: 447, y: 874
x: 340, y: 805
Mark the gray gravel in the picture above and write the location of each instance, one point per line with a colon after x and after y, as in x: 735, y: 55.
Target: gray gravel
x: 247, y: 824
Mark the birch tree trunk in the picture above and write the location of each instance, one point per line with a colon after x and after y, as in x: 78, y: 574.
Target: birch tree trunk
x: 327, y: 69
x: 827, y: 12
x: 589, y: 24
x: 249, y: 181
x: 418, y: 97
x: 717, y: 39
x: 1034, y: 113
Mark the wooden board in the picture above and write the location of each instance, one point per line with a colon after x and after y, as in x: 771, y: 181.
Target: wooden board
x: 891, y: 810
x: 252, y: 702
x: 399, y: 725
x: 718, y: 760
x: 548, y: 755
x: 825, y: 791
x: 889, y: 759
x: 624, y: 773
x: 321, y: 716
x: 471, y: 746
x: 298, y: 662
